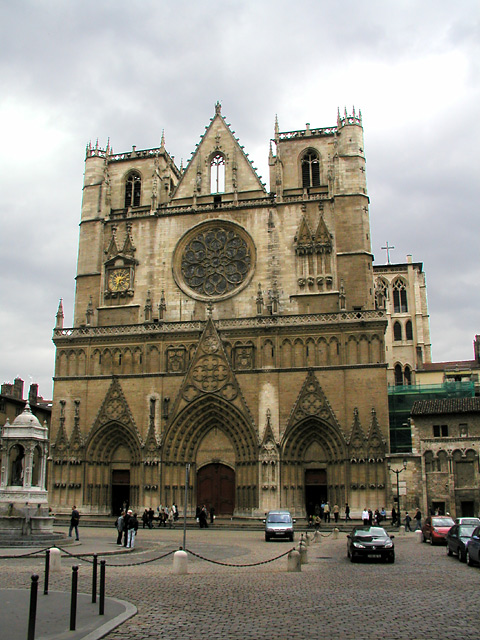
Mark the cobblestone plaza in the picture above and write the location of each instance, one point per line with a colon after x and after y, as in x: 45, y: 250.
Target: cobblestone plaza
x: 425, y: 594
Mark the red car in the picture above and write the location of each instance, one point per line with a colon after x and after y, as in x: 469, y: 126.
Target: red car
x: 435, y: 528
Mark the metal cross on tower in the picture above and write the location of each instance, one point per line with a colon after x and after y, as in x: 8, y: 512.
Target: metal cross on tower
x: 388, y: 248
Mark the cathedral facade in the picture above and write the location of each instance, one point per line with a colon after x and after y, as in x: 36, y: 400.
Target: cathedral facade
x: 225, y: 326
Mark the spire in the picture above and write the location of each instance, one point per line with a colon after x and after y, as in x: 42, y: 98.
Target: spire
x: 276, y: 127
x: 162, y: 142
x: 59, y: 316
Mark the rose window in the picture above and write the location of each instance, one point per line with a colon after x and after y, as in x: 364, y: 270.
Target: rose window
x: 215, y: 260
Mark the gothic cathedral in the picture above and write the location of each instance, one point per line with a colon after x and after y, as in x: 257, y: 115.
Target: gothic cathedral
x: 225, y: 326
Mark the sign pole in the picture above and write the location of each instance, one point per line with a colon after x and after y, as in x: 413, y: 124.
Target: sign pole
x: 187, y: 473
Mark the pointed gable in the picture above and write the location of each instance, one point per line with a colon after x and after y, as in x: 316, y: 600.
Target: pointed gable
x: 376, y: 442
x: 357, y: 441
x: 323, y: 237
x: 115, y: 409
x: 303, y: 238
x: 210, y: 373
x: 312, y: 402
x: 218, y: 140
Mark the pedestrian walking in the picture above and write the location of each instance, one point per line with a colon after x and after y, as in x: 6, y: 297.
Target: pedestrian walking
x: 394, y: 516
x: 365, y: 516
x: 212, y: 514
x: 408, y: 519
x: 347, y: 512
x: 145, y: 519
x: 74, y: 520
x: 336, y: 512
x: 418, y: 519
x: 326, y: 512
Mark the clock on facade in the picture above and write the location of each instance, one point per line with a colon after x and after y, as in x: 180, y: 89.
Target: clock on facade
x: 119, y: 279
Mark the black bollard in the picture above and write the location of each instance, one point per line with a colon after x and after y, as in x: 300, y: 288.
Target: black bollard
x: 94, y: 578
x: 47, y: 571
x: 33, y: 607
x: 73, y: 601
x: 101, y: 608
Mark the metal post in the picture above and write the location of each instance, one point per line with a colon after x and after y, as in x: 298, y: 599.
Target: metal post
x: 187, y: 473
x: 94, y: 578
x: 33, y: 607
x: 398, y: 500
x: 101, y: 609
x: 47, y: 571
x: 73, y: 600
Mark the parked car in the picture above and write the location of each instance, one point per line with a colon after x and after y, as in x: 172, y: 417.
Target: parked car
x: 370, y: 542
x: 473, y: 547
x: 435, y: 528
x: 458, y: 539
x: 473, y: 521
x: 279, y: 524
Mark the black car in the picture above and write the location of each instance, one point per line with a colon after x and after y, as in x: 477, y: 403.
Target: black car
x: 457, y: 540
x: 370, y: 542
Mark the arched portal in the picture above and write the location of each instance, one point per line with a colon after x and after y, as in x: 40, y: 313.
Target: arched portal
x: 216, y: 488
x: 212, y: 431
x: 313, y: 465
x: 113, y: 471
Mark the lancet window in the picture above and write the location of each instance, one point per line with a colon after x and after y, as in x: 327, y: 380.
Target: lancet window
x: 399, y: 297
x: 133, y: 190
x: 217, y: 174
x: 310, y: 170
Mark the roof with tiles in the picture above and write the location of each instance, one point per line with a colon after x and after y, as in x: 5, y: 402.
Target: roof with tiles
x: 446, y: 405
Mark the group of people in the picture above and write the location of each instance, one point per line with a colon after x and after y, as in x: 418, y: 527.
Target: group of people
x: 371, y: 518
x: 166, y: 516
x: 127, y: 527
x: 324, y: 512
x: 202, y: 513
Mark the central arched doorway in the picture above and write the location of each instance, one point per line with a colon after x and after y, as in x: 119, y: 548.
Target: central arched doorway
x: 216, y: 488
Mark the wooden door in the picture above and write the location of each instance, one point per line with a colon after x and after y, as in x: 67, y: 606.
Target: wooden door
x: 216, y: 487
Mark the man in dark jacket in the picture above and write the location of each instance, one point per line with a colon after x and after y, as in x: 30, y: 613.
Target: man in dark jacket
x: 74, y: 520
x: 126, y: 519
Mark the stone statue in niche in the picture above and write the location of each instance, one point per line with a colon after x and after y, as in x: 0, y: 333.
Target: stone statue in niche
x: 18, y: 466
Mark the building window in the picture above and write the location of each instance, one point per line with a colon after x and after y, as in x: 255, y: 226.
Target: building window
x: 463, y: 430
x: 399, y: 297
x: 217, y: 174
x: 310, y: 170
x: 133, y: 189
x: 397, y: 331
x: 440, y: 430
x: 398, y: 375
x: 407, y: 375
x: 409, y: 330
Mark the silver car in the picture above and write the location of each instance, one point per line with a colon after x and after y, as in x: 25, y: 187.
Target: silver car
x: 279, y: 524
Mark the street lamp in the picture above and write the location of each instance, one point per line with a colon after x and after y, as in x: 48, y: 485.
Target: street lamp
x: 398, y: 472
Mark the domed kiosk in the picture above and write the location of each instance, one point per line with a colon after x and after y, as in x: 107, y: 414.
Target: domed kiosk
x: 24, y: 512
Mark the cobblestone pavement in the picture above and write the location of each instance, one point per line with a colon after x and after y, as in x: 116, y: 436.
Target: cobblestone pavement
x: 425, y: 594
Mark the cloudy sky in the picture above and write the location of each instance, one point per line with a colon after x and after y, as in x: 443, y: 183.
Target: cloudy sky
x: 75, y: 70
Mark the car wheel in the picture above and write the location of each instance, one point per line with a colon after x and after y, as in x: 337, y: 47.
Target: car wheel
x: 352, y: 558
x: 461, y: 555
x: 291, y: 537
x: 449, y: 551
x: 391, y: 558
x: 267, y: 538
x: 469, y: 559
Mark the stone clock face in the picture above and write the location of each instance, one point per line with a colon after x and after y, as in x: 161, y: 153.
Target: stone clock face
x: 214, y: 261
x: 119, y: 279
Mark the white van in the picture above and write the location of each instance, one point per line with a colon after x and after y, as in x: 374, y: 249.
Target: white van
x: 279, y: 524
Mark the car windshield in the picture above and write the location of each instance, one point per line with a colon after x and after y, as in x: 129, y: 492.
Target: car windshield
x: 279, y: 517
x: 465, y: 531
x: 442, y: 522
x: 374, y: 532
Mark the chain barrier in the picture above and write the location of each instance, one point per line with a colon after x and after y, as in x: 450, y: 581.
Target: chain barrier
x: 110, y: 564
x: 25, y: 555
x: 227, y: 564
